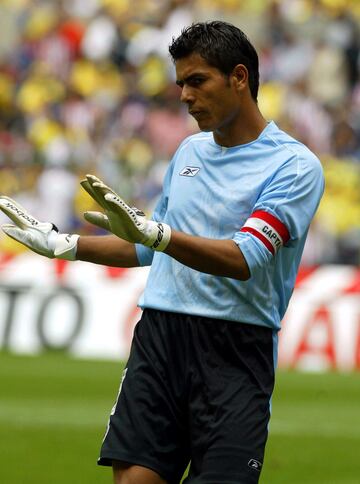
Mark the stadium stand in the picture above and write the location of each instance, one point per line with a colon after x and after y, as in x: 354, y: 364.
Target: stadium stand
x: 87, y: 86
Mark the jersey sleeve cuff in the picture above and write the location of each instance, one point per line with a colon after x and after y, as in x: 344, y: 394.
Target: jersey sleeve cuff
x: 144, y: 255
x: 253, y: 250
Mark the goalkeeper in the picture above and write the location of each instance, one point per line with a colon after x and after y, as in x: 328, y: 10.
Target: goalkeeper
x: 224, y: 244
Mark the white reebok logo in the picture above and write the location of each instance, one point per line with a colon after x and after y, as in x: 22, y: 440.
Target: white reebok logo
x: 255, y: 464
x: 189, y: 171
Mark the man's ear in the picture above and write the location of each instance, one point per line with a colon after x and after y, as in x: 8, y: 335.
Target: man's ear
x: 240, y: 77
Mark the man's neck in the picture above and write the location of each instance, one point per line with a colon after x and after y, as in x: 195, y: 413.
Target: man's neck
x: 242, y: 130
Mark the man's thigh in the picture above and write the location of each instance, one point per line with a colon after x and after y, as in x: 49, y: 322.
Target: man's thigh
x: 148, y: 424
x: 132, y: 474
x: 232, y: 383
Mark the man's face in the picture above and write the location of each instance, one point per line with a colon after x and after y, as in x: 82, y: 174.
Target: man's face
x: 211, y: 97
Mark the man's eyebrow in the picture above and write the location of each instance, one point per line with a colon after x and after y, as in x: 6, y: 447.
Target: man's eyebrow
x: 180, y: 82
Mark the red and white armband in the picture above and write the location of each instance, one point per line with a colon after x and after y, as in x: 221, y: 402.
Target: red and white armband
x: 268, y: 229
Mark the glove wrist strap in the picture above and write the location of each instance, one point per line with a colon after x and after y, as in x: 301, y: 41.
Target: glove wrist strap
x: 162, y: 237
x: 66, y: 246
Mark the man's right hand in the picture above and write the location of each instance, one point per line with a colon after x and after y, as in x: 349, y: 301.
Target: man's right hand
x: 41, y: 237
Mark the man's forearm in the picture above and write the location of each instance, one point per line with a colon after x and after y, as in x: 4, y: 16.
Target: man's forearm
x: 217, y: 257
x: 107, y: 250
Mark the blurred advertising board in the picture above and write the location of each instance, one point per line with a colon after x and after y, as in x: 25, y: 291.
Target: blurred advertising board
x: 90, y: 311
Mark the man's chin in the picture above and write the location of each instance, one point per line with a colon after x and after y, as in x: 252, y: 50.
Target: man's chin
x: 204, y: 127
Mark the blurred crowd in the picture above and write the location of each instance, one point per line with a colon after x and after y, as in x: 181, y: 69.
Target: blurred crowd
x: 87, y: 86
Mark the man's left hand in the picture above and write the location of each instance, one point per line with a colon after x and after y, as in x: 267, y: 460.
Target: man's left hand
x: 128, y: 223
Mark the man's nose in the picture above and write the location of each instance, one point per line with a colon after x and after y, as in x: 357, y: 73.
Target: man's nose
x: 187, y: 95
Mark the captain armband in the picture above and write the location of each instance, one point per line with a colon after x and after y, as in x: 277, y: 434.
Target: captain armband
x: 268, y: 229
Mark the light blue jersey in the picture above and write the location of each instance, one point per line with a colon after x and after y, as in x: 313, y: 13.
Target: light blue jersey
x: 263, y: 196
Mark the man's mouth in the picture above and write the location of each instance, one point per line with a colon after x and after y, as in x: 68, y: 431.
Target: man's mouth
x: 195, y: 113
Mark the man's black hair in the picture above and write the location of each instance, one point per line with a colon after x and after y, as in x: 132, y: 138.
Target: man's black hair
x: 221, y: 45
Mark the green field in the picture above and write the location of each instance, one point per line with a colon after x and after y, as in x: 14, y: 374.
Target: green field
x: 53, y: 412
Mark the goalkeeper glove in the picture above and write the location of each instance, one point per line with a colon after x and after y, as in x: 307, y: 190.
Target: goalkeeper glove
x: 41, y: 237
x: 128, y: 223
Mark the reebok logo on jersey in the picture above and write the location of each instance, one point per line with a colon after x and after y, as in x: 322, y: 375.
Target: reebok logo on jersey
x: 189, y: 171
x: 267, y: 228
x: 255, y: 464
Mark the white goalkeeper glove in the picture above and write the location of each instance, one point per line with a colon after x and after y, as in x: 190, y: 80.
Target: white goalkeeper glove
x: 41, y: 237
x: 128, y: 223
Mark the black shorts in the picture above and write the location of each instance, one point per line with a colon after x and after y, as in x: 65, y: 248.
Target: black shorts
x: 195, y: 389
